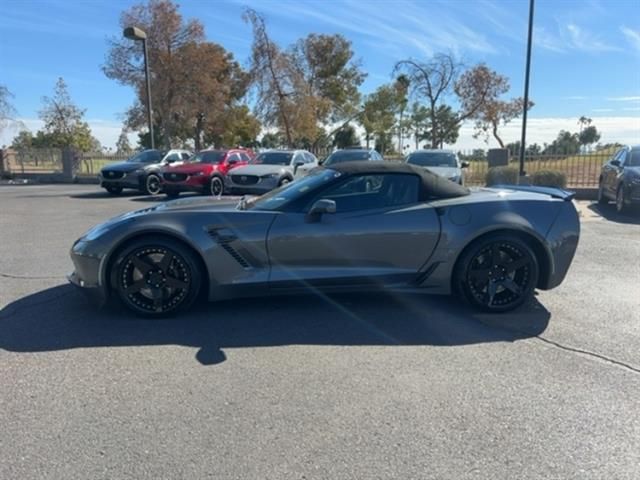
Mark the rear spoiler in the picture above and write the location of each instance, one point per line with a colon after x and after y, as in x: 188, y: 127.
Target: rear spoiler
x: 565, y: 195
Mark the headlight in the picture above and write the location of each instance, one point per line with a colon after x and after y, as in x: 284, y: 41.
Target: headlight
x: 197, y: 174
x: 455, y: 178
x: 139, y: 171
x: 271, y: 175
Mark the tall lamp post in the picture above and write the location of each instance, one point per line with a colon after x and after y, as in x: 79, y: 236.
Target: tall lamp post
x: 135, y: 33
x: 526, y: 92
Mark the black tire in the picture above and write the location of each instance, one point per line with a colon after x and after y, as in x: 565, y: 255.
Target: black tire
x: 497, y: 273
x: 156, y: 277
x: 152, y: 184
x: 216, y: 186
x: 172, y: 194
x: 113, y: 190
x: 284, y: 181
x: 621, y: 205
x: 602, y: 199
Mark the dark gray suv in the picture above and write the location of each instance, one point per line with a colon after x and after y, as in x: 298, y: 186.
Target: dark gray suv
x: 140, y: 172
x: 620, y: 179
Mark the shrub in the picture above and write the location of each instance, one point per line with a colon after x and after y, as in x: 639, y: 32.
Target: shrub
x: 549, y: 178
x: 502, y: 176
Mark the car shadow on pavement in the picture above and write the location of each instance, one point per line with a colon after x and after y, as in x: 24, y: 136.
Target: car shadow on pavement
x: 103, y: 194
x: 609, y: 212
x: 61, y: 318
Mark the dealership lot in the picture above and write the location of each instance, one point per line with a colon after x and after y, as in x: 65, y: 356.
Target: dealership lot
x: 350, y: 386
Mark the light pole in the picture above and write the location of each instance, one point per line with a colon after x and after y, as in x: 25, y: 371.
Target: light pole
x: 135, y: 33
x: 526, y: 93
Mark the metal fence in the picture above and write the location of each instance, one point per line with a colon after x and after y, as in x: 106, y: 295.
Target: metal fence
x: 582, y: 170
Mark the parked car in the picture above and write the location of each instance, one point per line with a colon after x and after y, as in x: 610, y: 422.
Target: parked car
x: 140, y: 172
x: 352, y: 154
x: 269, y: 170
x: 620, y: 179
x: 324, y: 232
x: 205, y: 172
x: 441, y: 162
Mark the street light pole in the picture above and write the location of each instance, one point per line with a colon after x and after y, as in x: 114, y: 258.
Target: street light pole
x: 135, y: 33
x: 526, y: 92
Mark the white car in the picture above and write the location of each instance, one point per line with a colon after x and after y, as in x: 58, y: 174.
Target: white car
x: 441, y: 162
x: 270, y: 170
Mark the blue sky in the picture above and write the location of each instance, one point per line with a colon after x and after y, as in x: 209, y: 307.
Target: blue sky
x: 586, y: 58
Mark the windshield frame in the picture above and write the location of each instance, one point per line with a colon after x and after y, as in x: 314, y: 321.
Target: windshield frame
x: 289, y: 155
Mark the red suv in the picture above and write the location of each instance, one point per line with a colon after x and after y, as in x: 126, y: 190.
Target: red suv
x: 204, y: 172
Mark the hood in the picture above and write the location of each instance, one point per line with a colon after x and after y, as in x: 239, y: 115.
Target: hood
x: 258, y: 170
x: 123, y: 167
x: 446, y: 172
x: 190, y: 168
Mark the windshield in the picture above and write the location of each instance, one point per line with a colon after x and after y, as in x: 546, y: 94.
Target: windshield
x: 433, y: 159
x: 275, y: 199
x: 274, y: 158
x: 148, y: 156
x: 215, y: 156
x: 347, y: 156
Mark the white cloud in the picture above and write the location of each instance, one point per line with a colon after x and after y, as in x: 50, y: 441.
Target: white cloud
x: 584, y: 40
x: 602, y: 109
x: 633, y: 37
x: 633, y: 98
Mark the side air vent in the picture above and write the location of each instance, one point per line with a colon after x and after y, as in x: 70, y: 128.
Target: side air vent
x: 224, y: 238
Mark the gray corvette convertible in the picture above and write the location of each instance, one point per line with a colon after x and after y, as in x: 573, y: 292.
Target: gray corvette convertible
x: 354, y: 226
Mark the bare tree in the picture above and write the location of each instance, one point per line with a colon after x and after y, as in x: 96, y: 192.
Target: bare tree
x: 7, y: 111
x: 270, y: 68
x: 432, y: 81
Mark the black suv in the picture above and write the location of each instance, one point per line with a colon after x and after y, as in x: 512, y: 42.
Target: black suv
x: 620, y: 179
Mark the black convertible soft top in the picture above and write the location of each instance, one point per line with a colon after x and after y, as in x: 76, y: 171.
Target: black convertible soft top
x: 432, y: 185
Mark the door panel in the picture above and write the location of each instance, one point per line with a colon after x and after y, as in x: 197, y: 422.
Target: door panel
x: 353, y: 248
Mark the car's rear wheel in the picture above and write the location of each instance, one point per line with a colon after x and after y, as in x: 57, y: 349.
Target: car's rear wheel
x: 152, y: 185
x: 216, y: 186
x: 114, y: 190
x: 602, y: 199
x: 284, y: 181
x: 621, y: 204
x: 497, y: 273
x: 156, y: 277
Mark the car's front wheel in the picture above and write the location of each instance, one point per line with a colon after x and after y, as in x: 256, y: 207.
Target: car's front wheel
x: 156, y: 277
x: 284, y: 181
x: 152, y: 185
x: 216, y: 186
x: 497, y: 273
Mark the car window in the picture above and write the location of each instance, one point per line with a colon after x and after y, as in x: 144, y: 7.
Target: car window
x: 245, y: 157
x: 208, y: 156
x: 433, y: 159
x: 347, y: 156
x: 273, y: 158
x: 234, y: 157
x: 308, y: 157
x: 148, y: 156
x: 367, y: 192
x: 174, y: 157
x: 633, y: 159
x: 298, y: 158
x: 185, y: 155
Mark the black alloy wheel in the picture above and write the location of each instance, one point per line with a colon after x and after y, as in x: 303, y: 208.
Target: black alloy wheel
x: 216, y: 186
x: 156, y: 277
x: 498, y: 273
x: 152, y: 184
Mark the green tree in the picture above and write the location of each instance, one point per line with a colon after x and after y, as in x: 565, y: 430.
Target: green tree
x: 63, y: 121
x: 565, y: 143
x: 23, y: 140
x: 239, y: 127
x: 271, y: 140
x: 123, y: 147
x: 379, y: 116
x: 346, y: 137
x: 588, y: 136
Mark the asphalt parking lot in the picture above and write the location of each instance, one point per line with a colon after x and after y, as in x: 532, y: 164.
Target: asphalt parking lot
x: 342, y: 387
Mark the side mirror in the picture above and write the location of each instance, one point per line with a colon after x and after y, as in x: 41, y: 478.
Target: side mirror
x: 615, y: 163
x: 322, y: 206
x: 298, y: 163
x: 464, y: 165
x: 170, y: 160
